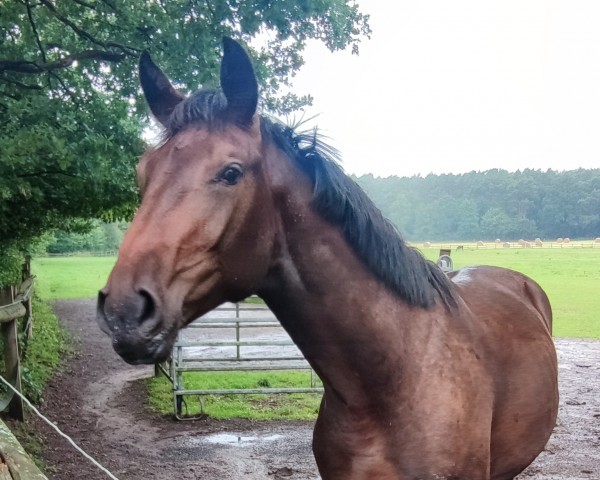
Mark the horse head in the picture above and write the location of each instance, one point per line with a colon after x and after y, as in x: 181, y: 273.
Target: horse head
x: 204, y: 232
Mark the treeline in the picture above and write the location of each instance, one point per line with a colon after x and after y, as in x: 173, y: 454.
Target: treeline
x: 472, y: 206
x: 101, y: 237
x: 492, y: 204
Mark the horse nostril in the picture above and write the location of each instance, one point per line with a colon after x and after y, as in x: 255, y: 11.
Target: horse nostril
x: 100, y: 313
x: 119, y: 314
x: 101, y: 300
x: 148, y: 306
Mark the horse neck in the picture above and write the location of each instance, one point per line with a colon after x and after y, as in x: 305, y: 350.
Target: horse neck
x: 336, y: 311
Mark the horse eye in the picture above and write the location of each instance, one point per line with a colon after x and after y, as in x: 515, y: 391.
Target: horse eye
x: 231, y: 174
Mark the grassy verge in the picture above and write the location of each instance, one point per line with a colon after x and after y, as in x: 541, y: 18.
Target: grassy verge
x: 43, y: 357
x: 301, y: 406
x: 45, y: 350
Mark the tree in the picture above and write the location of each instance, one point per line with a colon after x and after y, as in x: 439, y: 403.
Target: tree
x: 491, y: 204
x: 102, y: 237
x: 71, y: 116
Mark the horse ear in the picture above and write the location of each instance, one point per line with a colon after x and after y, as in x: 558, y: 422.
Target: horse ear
x: 238, y: 82
x: 160, y: 94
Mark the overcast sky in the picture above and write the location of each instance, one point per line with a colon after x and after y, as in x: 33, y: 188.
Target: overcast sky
x: 464, y: 85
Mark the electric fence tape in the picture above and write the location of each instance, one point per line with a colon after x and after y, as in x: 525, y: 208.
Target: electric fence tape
x: 64, y: 435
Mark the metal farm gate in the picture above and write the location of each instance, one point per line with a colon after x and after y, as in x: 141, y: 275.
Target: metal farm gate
x: 235, y: 337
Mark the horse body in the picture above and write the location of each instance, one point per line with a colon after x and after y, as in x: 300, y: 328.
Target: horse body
x: 442, y: 387
x: 424, y: 377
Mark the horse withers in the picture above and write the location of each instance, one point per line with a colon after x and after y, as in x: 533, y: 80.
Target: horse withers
x: 425, y: 376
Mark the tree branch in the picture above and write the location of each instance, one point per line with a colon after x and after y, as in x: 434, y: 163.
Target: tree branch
x: 83, y: 34
x: 28, y: 86
x: 8, y: 95
x: 35, y: 32
x: 163, y: 6
x: 110, y: 3
x: 85, y: 4
x: 26, y: 66
x: 210, y: 9
x: 65, y: 88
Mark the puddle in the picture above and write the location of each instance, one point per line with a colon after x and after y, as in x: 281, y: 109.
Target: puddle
x: 236, y: 440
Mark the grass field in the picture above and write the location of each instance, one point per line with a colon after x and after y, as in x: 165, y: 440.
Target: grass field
x: 71, y: 277
x: 570, y: 276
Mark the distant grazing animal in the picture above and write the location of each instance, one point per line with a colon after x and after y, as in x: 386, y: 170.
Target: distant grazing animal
x: 425, y: 376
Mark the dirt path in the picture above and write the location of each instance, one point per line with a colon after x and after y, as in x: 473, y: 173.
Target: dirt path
x: 99, y: 401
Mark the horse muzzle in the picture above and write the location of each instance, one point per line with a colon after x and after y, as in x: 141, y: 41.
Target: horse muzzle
x: 139, y: 334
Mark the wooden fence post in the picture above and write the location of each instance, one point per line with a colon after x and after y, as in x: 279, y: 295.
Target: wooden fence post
x: 11, y: 355
x: 28, y: 319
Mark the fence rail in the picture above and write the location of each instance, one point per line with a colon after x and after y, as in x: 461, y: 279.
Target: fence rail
x: 541, y: 245
x: 15, y: 304
x: 193, y: 354
x: 17, y: 308
x: 15, y: 463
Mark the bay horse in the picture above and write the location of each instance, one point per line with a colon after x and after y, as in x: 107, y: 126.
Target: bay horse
x: 426, y: 376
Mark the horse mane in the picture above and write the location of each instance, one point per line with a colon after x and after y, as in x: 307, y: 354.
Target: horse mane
x: 338, y: 199
x: 341, y: 201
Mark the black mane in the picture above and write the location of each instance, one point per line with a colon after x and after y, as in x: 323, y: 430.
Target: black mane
x: 339, y: 200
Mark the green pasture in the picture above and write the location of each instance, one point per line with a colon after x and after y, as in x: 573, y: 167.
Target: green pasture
x: 71, y: 277
x: 570, y: 276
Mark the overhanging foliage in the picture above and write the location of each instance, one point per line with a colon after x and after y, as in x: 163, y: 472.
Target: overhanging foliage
x: 71, y: 116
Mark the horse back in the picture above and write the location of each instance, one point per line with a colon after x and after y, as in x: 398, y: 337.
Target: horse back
x: 499, y: 291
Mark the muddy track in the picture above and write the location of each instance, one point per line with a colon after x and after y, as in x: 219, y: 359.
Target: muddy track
x: 100, y: 402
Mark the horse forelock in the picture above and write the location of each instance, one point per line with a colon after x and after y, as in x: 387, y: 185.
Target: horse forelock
x: 337, y: 198
x: 204, y: 108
